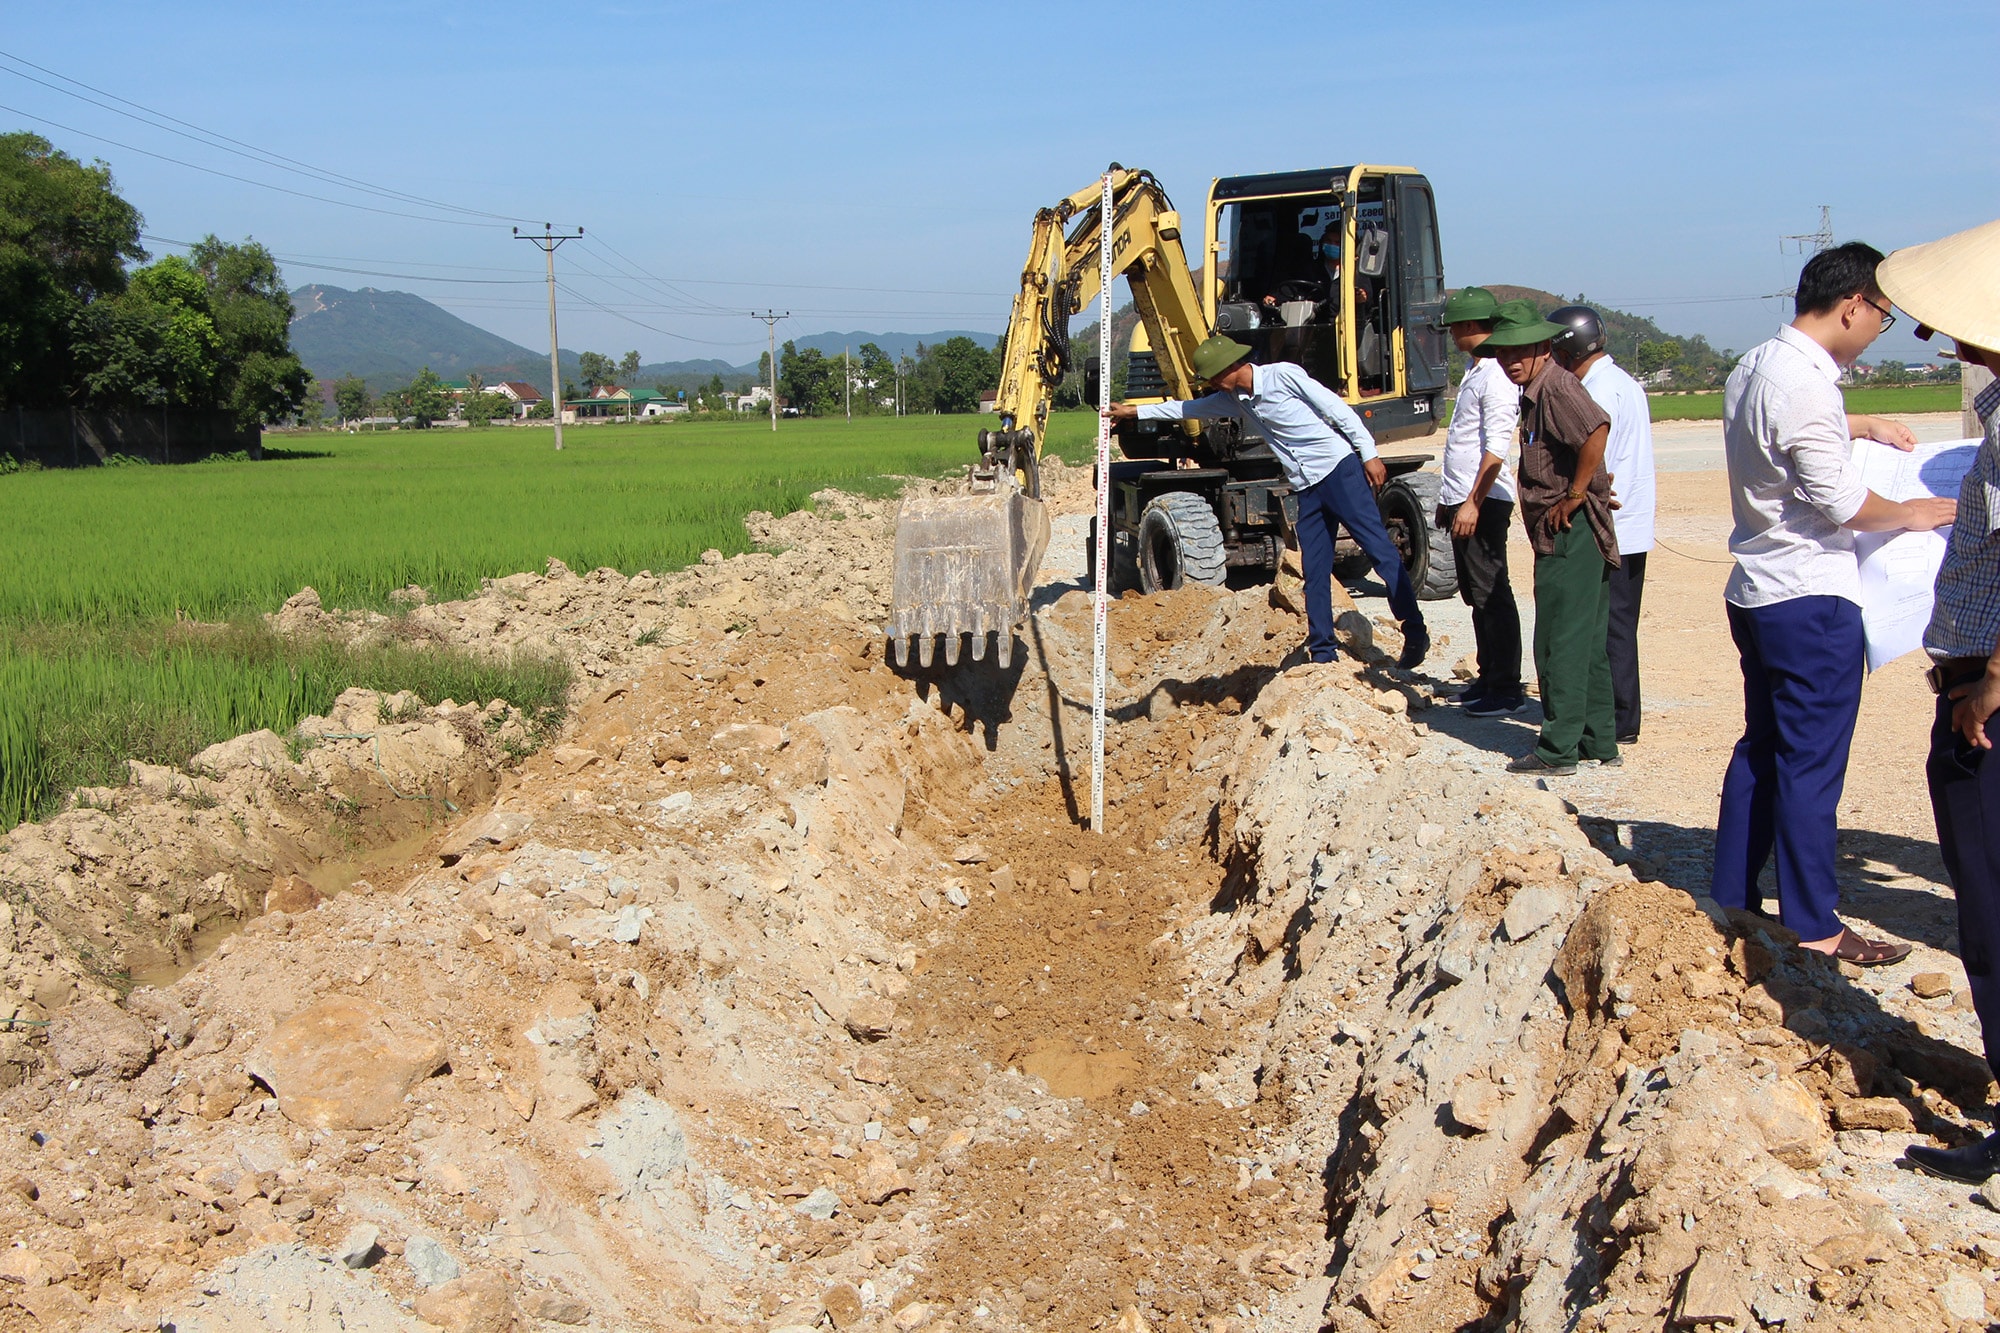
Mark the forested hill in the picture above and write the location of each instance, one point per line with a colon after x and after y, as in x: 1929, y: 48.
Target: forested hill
x: 1635, y: 342
x: 387, y: 337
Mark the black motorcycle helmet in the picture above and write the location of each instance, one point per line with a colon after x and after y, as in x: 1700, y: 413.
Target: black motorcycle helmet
x: 1583, y: 333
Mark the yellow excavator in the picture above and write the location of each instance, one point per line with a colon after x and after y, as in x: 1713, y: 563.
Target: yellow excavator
x: 1336, y: 269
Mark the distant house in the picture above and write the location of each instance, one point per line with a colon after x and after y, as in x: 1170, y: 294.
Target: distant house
x: 753, y: 398
x: 523, y: 396
x: 609, y: 402
x: 989, y: 401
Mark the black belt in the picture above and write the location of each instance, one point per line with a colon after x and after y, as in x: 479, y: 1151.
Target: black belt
x: 1952, y: 672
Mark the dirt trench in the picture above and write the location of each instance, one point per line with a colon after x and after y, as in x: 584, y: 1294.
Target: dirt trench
x: 788, y: 992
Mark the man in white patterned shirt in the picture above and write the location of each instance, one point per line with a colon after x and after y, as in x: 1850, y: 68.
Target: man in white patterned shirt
x: 1953, y: 287
x: 1794, y: 598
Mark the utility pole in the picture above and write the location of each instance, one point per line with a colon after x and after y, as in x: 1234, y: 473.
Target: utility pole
x: 771, y: 318
x: 847, y: 384
x: 548, y: 241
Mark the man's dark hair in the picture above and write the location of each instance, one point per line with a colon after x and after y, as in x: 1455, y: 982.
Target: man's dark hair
x: 1832, y: 276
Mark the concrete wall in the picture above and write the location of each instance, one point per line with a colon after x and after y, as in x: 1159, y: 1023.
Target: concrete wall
x: 1974, y: 379
x: 79, y: 437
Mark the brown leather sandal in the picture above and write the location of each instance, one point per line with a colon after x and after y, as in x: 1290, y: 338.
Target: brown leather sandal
x: 1852, y: 948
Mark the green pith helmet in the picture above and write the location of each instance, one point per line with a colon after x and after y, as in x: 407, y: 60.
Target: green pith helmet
x: 1470, y: 305
x: 1518, y: 324
x: 1216, y: 355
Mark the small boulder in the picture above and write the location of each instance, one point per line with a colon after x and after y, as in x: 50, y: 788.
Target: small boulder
x: 1531, y: 910
x: 1475, y: 1104
x: 1931, y: 985
x: 820, y: 1205
x: 345, y: 1063
x: 94, y: 1036
x: 478, y: 1303
x: 1709, y: 1296
x: 1961, y: 1298
x: 1883, y: 1113
x: 430, y: 1263
x: 1789, y: 1120
x: 291, y: 893
x: 843, y: 1305
x: 880, y: 1179
x: 870, y: 1018
x: 359, y: 1248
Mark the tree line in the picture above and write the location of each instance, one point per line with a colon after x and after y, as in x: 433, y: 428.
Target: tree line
x: 948, y: 377
x: 81, y: 327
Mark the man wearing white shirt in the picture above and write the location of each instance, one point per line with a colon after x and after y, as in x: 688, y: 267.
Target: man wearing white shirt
x: 1476, y: 503
x: 1794, y: 598
x: 1628, y: 457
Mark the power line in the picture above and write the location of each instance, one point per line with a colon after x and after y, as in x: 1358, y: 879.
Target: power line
x: 162, y: 120
x: 619, y: 314
x: 246, y: 180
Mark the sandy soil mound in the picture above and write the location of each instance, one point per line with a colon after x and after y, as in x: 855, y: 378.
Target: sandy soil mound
x: 786, y: 992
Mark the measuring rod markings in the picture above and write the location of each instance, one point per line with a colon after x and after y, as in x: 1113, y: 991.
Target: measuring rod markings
x: 1101, y: 576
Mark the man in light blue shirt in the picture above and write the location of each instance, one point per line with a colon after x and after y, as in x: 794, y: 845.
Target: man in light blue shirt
x: 1329, y: 458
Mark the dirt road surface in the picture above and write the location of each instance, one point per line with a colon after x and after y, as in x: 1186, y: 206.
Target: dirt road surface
x: 786, y: 991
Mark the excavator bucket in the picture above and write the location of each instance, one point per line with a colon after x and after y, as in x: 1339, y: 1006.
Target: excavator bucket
x: 965, y: 564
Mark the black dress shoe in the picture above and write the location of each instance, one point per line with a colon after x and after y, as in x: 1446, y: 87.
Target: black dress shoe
x: 1972, y: 1164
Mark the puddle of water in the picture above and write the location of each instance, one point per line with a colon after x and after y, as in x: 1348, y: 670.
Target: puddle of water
x: 151, y: 967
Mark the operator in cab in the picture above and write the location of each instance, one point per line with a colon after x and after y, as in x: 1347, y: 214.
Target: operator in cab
x: 1329, y: 459
x: 1322, y: 286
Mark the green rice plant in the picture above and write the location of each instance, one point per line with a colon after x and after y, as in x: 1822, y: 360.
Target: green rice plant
x: 441, y: 509
x: 73, y: 716
x: 100, y: 567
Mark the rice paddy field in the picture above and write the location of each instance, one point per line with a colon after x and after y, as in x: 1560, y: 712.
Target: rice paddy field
x: 1899, y: 398
x: 130, y: 596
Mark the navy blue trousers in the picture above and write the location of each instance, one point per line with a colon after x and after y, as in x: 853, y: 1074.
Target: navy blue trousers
x: 1343, y: 497
x: 1802, y: 663
x: 1965, y: 798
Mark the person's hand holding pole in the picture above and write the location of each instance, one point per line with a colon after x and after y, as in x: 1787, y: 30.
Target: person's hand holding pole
x: 1122, y: 412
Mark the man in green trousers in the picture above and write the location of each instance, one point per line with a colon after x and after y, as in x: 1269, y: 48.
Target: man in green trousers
x: 1565, y: 497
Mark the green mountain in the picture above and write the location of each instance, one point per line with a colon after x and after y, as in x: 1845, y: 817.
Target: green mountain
x: 387, y: 337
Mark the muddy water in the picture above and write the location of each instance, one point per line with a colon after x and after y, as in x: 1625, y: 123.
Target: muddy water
x: 391, y: 863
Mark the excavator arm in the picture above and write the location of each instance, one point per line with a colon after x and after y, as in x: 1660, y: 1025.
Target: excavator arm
x: 966, y: 564
x: 1061, y: 278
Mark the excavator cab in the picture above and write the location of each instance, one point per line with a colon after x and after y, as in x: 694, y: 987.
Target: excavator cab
x: 1339, y: 271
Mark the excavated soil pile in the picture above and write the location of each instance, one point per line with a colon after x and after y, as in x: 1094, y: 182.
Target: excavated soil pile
x: 786, y: 992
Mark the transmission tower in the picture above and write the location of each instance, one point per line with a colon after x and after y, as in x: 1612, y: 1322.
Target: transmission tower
x: 1820, y: 241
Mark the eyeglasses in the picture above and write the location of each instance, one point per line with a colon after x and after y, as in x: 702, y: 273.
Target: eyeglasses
x: 1888, y: 315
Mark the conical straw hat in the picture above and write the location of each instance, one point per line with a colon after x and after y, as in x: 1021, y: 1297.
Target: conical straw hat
x: 1953, y: 284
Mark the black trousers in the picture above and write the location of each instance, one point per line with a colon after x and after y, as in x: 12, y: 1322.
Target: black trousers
x: 1483, y: 584
x: 1965, y: 799
x: 1621, y: 643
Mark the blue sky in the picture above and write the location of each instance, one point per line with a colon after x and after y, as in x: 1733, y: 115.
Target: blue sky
x: 876, y: 166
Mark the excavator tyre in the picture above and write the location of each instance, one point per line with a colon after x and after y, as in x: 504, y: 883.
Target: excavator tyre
x: 965, y: 564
